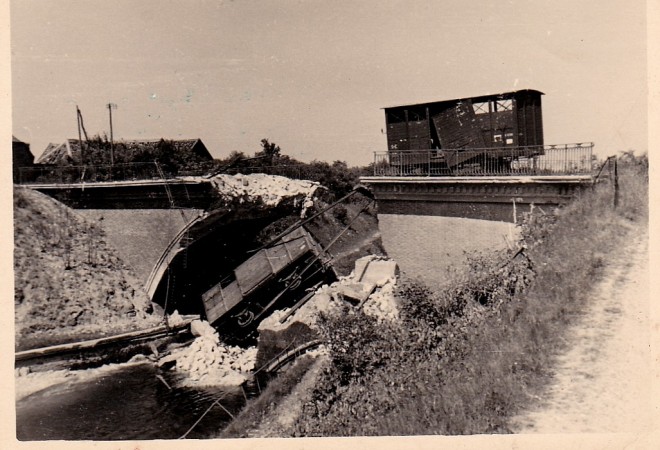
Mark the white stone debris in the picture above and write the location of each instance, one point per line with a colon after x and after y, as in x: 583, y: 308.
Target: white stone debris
x: 174, y: 319
x: 382, y: 303
x: 208, y: 362
x: 269, y: 189
x: 371, y: 283
x: 200, y: 328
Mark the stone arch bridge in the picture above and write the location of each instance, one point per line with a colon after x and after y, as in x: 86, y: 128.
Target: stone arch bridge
x: 175, y: 236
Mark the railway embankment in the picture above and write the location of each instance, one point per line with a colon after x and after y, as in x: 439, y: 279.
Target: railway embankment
x: 69, y: 283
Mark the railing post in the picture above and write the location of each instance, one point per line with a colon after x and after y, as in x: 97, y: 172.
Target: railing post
x: 428, y: 158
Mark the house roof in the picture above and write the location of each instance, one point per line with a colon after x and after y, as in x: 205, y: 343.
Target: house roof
x: 55, y: 152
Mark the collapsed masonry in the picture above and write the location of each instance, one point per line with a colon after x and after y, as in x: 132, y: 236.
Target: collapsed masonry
x: 208, y: 361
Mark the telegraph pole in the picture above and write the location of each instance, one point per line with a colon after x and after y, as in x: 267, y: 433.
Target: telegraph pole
x: 82, y: 158
x: 111, y: 106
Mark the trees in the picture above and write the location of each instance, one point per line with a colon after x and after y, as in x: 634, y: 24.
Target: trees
x: 269, y: 150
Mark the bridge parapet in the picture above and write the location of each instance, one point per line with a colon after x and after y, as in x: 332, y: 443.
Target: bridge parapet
x: 500, y: 198
x: 133, y: 194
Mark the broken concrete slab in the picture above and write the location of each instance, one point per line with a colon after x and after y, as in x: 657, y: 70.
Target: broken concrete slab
x: 361, y: 266
x: 357, y: 292
x: 378, y: 272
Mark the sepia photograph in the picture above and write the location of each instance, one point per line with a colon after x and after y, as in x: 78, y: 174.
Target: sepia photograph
x: 232, y: 220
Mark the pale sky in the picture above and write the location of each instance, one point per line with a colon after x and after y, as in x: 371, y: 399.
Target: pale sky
x: 313, y: 76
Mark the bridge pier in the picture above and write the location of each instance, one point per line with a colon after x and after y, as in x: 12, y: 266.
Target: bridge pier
x: 140, y: 236
x: 486, y: 198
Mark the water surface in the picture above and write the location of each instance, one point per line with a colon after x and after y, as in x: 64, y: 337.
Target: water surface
x: 129, y: 403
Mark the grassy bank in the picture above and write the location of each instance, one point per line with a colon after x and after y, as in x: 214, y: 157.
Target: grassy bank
x: 465, y: 360
x: 251, y: 421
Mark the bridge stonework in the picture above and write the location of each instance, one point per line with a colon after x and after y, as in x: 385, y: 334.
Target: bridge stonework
x: 140, y: 218
x: 144, y: 194
x: 485, y: 198
x: 427, y: 247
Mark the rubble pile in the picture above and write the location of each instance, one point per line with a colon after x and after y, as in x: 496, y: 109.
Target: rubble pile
x: 370, y: 286
x: 322, y: 301
x: 208, y: 362
x: 382, y: 304
x: 269, y: 189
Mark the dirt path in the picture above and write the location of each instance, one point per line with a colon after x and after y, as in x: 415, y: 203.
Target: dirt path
x: 603, y: 383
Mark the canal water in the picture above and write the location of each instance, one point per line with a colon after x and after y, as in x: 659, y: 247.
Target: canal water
x: 131, y: 403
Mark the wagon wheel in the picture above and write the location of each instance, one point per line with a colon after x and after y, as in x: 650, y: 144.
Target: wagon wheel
x: 292, y: 281
x: 294, y: 284
x: 244, y: 318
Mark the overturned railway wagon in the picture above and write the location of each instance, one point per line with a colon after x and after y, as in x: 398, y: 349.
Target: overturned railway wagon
x: 490, y: 130
x: 283, y: 269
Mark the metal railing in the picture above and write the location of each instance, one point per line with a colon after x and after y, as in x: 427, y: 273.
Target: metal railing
x: 569, y: 159
x: 42, y: 174
x: 50, y: 174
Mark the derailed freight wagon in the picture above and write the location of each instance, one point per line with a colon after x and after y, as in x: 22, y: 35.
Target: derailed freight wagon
x: 283, y: 269
x: 490, y: 131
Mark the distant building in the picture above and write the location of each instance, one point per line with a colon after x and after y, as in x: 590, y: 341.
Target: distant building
x: 21, y: 157
x: 94, y: 152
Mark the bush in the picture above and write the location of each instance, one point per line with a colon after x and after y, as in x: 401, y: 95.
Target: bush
x: 353, y: 358
x: 340, y: 213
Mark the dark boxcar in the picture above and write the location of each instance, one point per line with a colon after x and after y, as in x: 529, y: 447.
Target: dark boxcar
x: 510, y: 119
x: 290, y: 264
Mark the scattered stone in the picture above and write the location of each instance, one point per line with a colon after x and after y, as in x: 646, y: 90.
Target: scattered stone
x: 201, y: 328
x: 382, y: 304
x: 374, y: 289
x: 175, y: 319
x: 358, y: 292
x: 138, y: 358
x: 208, y: 362
x: 269, y: 189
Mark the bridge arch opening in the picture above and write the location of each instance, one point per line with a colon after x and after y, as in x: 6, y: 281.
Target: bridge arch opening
x: 206, y: 251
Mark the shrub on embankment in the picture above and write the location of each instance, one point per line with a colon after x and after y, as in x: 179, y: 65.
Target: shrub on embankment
x: 465, y: 360
x: 68, y: 283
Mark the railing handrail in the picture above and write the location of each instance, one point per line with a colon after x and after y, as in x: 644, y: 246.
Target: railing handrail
x: 114, y: 171
x: 86, y: 172
x: 553, y: 159
x: 584, y: 145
